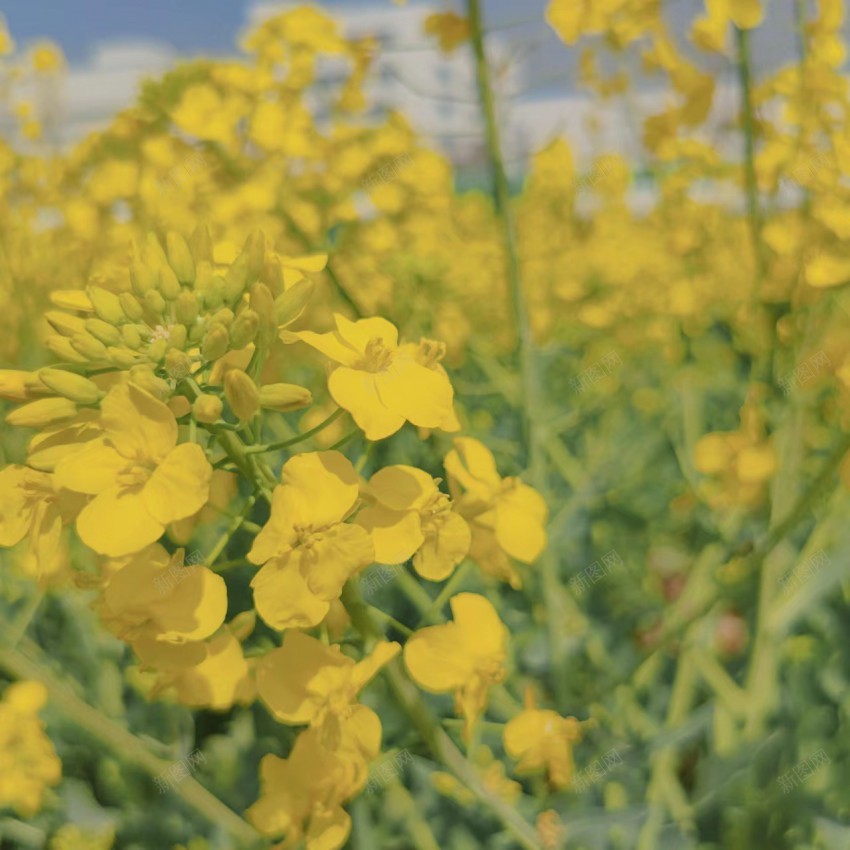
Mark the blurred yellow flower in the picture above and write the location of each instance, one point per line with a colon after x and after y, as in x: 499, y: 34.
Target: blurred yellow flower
x: 542, y: 740
x: 30, y: 764
x: 464, y: 657
x: 507, y: 517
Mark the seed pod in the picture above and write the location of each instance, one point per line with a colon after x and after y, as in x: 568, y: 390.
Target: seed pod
x: 61, y: 346
x: 289, y: 306
x: 169, y: 286
x: 241, y: 394
x: 201, y: 244
x: 216, y: 343
x: 180, y: 257
x: 131, y: 306
x: 88, y: 346
x: 207, y: 408
x: 65, y: 323
x: 244, y: 329
x: 186, y: 307
x: 284, y: 397
x: 71, y: 299
x: 154, y: 302
x: 106, y: 333
x: 75, y: 387
x: 106, y: 305
x: 45, y: 411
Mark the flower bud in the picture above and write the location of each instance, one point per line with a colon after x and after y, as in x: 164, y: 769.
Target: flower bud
x: 143, y: 277
x: 207, y: 408
x: 131, y: 337
x: 169, y: 286
x: 262, y: 303
x: 152, y: 253
x: 106, y: 333
x: 235, y: 279
x: 289, y: 306
x: 154, y: 302
x: 106, y: 305
x: 45, y: 411
x: 216, y: 343
x: 131, y: 306
x: 285, y: 397
x: 223, y: 317
x: 61, y: 346
x: 213, y: 294
x: 157, y: 349
x: 180, y: 257
x: 143, y: 376
x: 18, y: 385
x: 197, y: 330
x: 241, y: 394
x: 254, y: 251
x: 244, y: 329
x: 75, y: 387
x: 65, y: 323
x: 186, y: 307
x: 120, y: 356
x: 177, y: 335
x: 201, y: 244
x: 178, y: 364
x: 71, y: 299
x: 88, y: 346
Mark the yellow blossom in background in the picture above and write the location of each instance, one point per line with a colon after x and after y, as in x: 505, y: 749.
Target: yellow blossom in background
x: 507, y: 517
x: 450, y: 29
x: 411, y: 518
x: 542, y: 740
x: 465, y: 657
x: 29, y: 760
x: 302, y: 795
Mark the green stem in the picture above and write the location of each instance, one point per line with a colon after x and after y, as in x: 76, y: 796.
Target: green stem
x: 123, y: 743
x: 501, y: 191
x: 438, y: 741
x: 273, y: 447
x: 750, y: 180
x: 234, y: 526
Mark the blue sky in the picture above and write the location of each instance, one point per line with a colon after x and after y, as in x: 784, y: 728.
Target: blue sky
x: 191, y: 26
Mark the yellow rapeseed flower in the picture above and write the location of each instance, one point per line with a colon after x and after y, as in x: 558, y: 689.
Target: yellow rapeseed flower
x: 141, y: 479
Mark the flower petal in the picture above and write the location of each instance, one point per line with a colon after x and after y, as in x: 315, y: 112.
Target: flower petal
x: 92, y: 469
x: 138, y: 424
x: 180, y: 485
x: 117, y: 522
x: 327, y: 485
x: 282, y: 597
x: 396, y: 535
x: 356, y: 391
